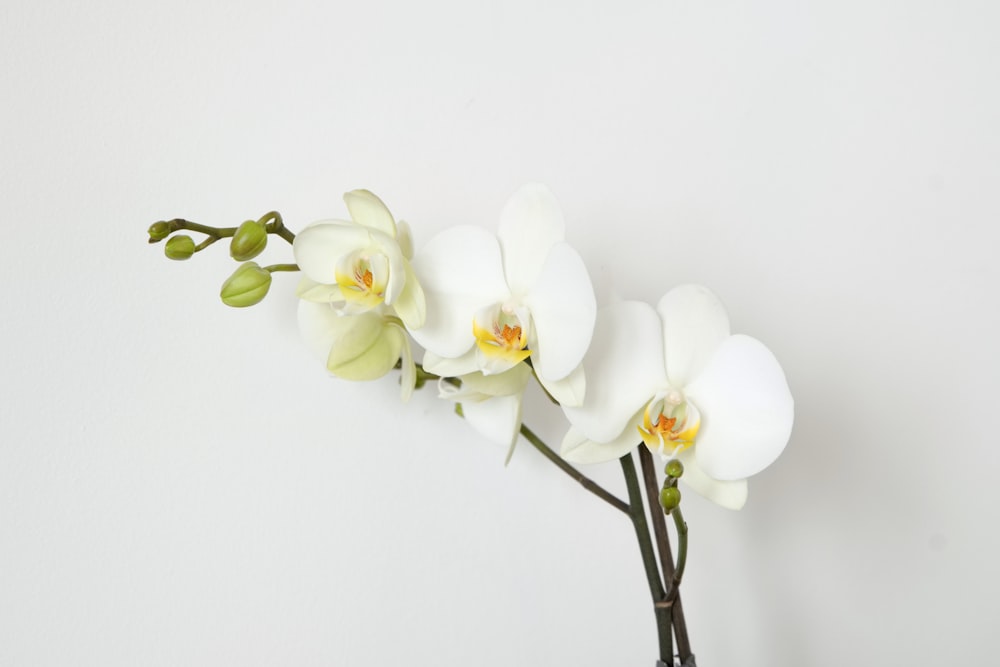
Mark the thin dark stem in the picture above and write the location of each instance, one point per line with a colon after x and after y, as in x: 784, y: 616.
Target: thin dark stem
x: 670, y: 574
x: 660, y: 606
x: 584, y: 481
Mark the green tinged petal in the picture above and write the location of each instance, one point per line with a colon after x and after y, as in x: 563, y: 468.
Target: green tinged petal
x: 367, y: 350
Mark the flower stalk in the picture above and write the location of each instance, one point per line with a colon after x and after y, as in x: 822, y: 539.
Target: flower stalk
x: 661, y: 606
x: 584, y: 481
x: 272, y: 221
x: 671, y: 574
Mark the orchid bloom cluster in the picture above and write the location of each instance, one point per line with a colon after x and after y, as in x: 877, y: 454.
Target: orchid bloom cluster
x: 491, y: 311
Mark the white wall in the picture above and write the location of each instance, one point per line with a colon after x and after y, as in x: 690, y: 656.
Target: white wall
x: 180, y: 483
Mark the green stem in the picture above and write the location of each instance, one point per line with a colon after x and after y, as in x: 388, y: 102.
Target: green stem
x: 660, y: 606
x: 274, y: 224
x: 272, y: 221
x: 682, y: 549
x: 281, y: 267
x: 584, y: 481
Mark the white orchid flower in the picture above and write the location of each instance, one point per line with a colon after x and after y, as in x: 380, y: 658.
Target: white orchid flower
x: 491, y: 404
x: 362, y: 264
x: 675, y: 379
x: 359, y: 347
x: 494, y: 301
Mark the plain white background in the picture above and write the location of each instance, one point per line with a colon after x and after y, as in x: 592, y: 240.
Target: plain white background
x: 181, y: 484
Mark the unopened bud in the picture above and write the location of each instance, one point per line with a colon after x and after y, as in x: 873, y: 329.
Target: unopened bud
x: 159, y: 231
x: 674, y: 468
x: 246, y: 287
x: 670, y: 498
x: 248, y: 241
x: 179, y: 247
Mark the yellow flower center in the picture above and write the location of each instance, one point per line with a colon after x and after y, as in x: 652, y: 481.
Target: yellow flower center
x: 362, y: 276
x: 670, y: 423
x: 501, y: 334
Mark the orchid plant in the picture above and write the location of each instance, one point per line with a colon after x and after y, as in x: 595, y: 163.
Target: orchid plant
x: 494, y: 312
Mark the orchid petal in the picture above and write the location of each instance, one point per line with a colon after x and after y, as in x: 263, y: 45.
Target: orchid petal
x: 368, y: 210
x: 411, y: 306
x: 577, y: 448
x: 747, y: 409
x: 495, y: 362
x: 503, y: 384
x: 695, y: 323
x: 570, y: 391
x: 730, y: 494
x: 450, y: 367
x: 530, y: 224
x: 563, y: 310
x: 319, y: 247
x: 497, y: 419
x: 405, y: 239
x: 460, y: 271
x: 320, y: 326
x: 310, y: 290
x: 366, y: 351
x: 624, y: 369
x: 397, y: 272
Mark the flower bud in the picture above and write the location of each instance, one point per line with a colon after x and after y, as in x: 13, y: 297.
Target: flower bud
x: 670, y: 498
x: 246, y: 287
x: 248, y: 241
x: 674, y: 468
x: 179, y: 247
x: 159, y: 231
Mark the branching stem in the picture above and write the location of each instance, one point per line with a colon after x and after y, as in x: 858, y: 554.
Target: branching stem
x: 584, y: 481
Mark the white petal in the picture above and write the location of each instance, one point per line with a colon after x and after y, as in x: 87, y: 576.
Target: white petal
x: 448, y: 367
x: 624, y: 369
x: 746, y: 407
x: 503, y: 384
x: 563, y: 309
x: 460, y: 271
x: 497, y: 419
x: 569, y: 391
x: 310, y: 290
x: 318, y: 248
x: 695, y: 323
x: 397, y: 264
x: 368, y: 210
x: 730, y: 494
x: 320, y: 326
x: 411, y: 305
x: 531, y: 223
x: 577, y: 448
x: 405, y: 239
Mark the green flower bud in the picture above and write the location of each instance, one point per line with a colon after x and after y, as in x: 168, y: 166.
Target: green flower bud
x: 670, y: 498
x: 674, y: 468
x: 246, y: 287
x: 179, y: 247
x: 159, y: 231
x: 248, y: 241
